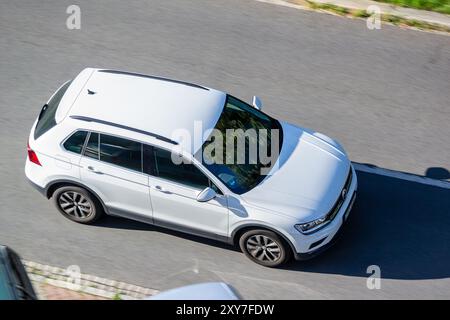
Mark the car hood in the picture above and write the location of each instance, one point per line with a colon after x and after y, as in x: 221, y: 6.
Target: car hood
x: 307, y: 179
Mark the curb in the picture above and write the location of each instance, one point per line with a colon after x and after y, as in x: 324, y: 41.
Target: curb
x: 85, y: 283
x: 390, y: 17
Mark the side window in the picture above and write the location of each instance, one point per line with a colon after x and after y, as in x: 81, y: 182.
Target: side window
x: 187, y: 174
x: 149, y: 160
x: 121, y: 152
x: 91, y: 149
x: 76, y: 142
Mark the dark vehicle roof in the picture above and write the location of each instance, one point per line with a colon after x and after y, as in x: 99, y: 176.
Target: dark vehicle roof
x: 14, y: 281
x: 6, y: 292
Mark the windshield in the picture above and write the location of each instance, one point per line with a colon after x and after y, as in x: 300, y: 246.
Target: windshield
x: 243, y: 146
x: 5, y: 289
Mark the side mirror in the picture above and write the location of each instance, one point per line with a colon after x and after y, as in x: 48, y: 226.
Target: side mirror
x: 206, y: 195
x: 257, y: 103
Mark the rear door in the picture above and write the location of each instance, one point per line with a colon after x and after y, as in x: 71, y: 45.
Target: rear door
x: 69, y: 161
x: 112, y: 167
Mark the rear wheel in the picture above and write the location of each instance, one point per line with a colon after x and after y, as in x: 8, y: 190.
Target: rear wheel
x: 77, y: 204
x: 265, y: 247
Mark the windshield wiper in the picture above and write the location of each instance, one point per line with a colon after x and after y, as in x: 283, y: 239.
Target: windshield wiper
x: 44, y: 108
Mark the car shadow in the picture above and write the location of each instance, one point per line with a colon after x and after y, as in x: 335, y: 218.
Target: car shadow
x: 128, y: 224
x: 401, y: 226
x: 438, y: 173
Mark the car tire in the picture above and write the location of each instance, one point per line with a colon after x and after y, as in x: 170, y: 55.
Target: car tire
x: 265, y: 247
x: 78, y: 204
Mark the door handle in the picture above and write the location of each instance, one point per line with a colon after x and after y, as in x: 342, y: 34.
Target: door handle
x: 91, y: 168
x: 159, y: 188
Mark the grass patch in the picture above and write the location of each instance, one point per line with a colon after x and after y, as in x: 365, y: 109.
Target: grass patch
x: 329, y: 7
x: 391, y: 19
x: 117, y: 297
x: 396, y: 20
x: 361, y: 14
x: 441, y: 6
x: 413, y: 23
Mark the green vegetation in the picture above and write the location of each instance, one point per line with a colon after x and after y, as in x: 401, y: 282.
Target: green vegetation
x: 329, y: 7
x: 361, y: 14
x: 413, y: 23
x: 442, y: 6
x: 396, y: 20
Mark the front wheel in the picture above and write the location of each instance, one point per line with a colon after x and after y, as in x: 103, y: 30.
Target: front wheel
x: 265, y: 248
x: 77, y: 204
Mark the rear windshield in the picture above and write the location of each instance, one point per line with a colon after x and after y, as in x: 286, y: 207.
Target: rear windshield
x: 46, y: 119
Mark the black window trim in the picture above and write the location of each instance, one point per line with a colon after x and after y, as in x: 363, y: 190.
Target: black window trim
x: 199, y: 167
x: 117, y: 125
x: 70, y: 135
x: 86, y: 143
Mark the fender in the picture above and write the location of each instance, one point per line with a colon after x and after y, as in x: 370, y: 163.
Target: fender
x: 254, y: 225
x: 76, y: 183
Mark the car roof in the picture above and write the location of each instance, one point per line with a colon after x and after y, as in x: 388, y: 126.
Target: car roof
x: 166, y: 108
x: 199, y: 291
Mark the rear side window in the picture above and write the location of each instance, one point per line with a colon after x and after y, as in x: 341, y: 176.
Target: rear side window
x: 46, y: 119
x: 76, y: 142
x: 91, y: 149
x: 121, y: 152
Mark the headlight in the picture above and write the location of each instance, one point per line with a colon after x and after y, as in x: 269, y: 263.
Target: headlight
x: 310, y: 226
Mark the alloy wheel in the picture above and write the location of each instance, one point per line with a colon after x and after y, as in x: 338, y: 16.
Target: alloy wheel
x: 263, y: 248
x: 75, y: 204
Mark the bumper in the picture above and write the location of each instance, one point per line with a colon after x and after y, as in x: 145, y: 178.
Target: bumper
x: 35, y: 177
x: 316, y: 243
x: 37, y: 187
x: 314, y: 253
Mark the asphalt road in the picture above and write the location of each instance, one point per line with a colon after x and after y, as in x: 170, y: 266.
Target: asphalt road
x: 384, y: 94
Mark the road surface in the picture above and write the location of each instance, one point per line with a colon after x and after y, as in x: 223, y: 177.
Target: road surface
x: 384, y: 94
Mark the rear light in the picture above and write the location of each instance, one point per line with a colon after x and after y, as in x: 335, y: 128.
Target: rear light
x: 32, y: 156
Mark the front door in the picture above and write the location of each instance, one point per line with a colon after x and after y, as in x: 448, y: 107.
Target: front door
x: 174, y: 189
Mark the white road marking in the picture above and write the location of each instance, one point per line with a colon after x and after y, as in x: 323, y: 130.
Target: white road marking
x: 285, y: 4
x: 402, y: 175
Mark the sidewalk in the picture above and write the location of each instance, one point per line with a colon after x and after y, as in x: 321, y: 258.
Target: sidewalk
x: 54, y: 283
x: 46, y: 291
x: 430, y: 20
x: 386, y: 8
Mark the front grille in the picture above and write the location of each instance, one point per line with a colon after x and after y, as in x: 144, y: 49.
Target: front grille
x: 342, y: 196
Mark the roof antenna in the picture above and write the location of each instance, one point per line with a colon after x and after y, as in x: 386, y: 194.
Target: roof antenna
x: 91, y: 92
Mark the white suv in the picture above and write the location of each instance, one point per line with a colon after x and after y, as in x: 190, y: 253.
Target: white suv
x: 119, y: 143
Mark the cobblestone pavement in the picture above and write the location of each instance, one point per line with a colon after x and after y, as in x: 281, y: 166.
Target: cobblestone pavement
x: 54, y: 283
x: 49, y: 292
